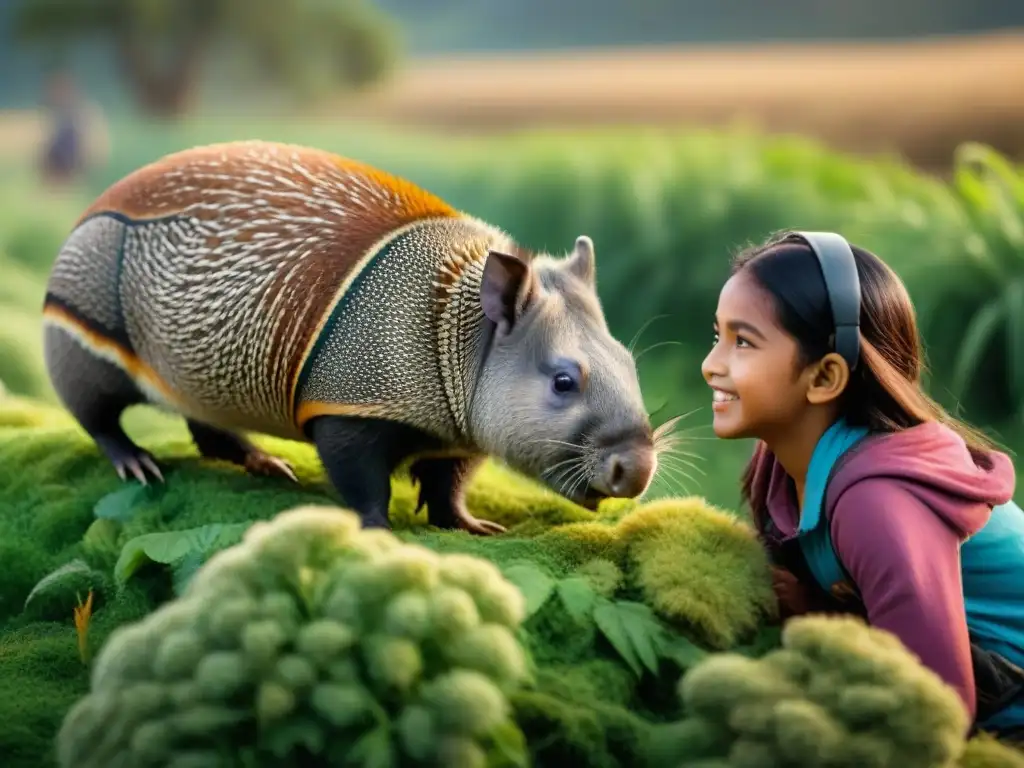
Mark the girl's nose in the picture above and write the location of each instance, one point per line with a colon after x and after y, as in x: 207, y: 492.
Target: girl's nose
x: 712, y: 366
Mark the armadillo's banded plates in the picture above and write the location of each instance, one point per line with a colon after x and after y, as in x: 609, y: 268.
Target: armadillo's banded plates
x: 232, y: 259
x: 401, y: 341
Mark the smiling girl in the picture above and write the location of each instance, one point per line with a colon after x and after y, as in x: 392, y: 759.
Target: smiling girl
x: 867, y: 495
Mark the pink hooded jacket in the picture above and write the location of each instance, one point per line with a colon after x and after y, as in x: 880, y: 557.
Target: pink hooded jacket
x: 900, y: 506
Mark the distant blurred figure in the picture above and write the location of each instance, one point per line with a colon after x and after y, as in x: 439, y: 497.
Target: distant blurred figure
x: 74, y: 128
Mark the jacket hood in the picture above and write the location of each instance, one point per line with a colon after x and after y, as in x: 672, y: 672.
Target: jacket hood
x: 933, y: 462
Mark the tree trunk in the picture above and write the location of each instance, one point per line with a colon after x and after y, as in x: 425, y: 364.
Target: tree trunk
x: 163, y: 92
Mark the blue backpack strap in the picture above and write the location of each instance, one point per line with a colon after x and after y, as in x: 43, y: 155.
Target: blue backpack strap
x: 814, y: 532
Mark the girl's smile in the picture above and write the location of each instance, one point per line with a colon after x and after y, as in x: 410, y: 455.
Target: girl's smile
x: 722, y: 399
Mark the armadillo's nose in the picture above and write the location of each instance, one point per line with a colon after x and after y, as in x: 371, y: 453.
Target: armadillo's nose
x: 626, y: 470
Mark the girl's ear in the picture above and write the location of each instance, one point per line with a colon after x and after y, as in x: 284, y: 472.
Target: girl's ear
x: 828, y: 379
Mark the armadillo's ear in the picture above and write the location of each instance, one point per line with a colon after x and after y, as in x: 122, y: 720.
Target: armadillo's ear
x: 505, y: 289
x: 581, y: 263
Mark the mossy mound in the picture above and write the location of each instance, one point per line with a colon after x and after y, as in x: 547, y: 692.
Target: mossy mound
x: 617, y: 604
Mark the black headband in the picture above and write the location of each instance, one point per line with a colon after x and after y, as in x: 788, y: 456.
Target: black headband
x: 843, y: 286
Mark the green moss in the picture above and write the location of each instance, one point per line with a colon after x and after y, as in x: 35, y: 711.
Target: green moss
x: 696, y: 566
x: 722, y: 593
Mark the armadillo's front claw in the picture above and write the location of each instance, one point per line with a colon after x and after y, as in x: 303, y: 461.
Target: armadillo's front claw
x: 137, y: 466
x: 477, y: 526
x: 259, y: 463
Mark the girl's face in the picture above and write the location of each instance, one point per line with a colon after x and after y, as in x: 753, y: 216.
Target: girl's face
x: 758, y: 391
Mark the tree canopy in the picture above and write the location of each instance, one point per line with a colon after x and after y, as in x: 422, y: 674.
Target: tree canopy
x: 162, y: 46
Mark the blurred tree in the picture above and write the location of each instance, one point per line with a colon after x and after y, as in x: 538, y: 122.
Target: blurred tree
x: 161, y: 45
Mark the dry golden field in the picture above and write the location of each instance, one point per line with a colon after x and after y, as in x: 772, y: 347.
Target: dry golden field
x: 917, y: 98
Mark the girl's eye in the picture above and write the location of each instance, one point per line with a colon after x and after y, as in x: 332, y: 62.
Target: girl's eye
x: 740, y: 341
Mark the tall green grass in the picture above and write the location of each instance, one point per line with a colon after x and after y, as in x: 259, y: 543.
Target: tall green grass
x: 666, y: 211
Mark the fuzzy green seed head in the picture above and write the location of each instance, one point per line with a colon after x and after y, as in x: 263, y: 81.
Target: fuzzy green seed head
x: 803, y: 728
x: 344, y: 605
x: 233, y: 566
x: 262, y: 641
x: 750, y: 753
x: 309, y: 629
x: 178, y: 655
x: 341, y: 705
x: 453, y: 612
x: 408, y: 615
x: 866, y: 705
x: 184, y: 694
x: 226, y: 624
x: 460, y: 751
x: 838, y: 693
x: 273, y: 702
x: 144, y: 699
x: 499, y: 601
x: 295, y: 672
x: 322, y: 641
x: 151, y: 742
x: 392, y: 662
x: 378, y: 541
x: 408, y: 568
x: 417, y: 732
x: 281, y: 608
x: 470, y: 573
x: 126, y: 656
x: 222, y: 674
x: 724, y: 681
x: 465, y: 702
x: 492, y: 650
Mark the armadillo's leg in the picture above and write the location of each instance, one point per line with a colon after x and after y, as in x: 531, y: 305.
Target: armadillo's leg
x: 96, y: 392
x: 442, y: 488
x: 216, y: 443
x: 359, y: 455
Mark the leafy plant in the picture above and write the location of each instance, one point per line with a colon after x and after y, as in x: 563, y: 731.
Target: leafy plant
x: 185, y: 551
x: 631, y: 628
x: 991, y: 190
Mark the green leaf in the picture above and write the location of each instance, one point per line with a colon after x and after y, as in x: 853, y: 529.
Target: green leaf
x: 632, y: 631
x: 101, y: 536
x: 578, y: 596
x: 122, y: 504
x: 76, y: 570
x: 172, y: 546
x: 683, y: 651
x: 535, y: 584
x: 185, y: 569
x: 975, y: 343
x: 643, y: 629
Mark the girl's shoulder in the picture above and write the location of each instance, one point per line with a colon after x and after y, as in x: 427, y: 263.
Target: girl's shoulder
x: 931, y: 463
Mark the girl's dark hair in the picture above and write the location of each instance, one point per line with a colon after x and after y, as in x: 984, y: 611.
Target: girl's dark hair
x: 884, y: 392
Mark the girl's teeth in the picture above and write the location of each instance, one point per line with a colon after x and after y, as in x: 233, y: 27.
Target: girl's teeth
x: 723, y: 397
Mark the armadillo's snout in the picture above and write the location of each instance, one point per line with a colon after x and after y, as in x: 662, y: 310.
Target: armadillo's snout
x: 625, y: 470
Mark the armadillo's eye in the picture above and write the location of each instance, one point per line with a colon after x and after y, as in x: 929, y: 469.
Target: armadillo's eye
x: 563, y: 383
